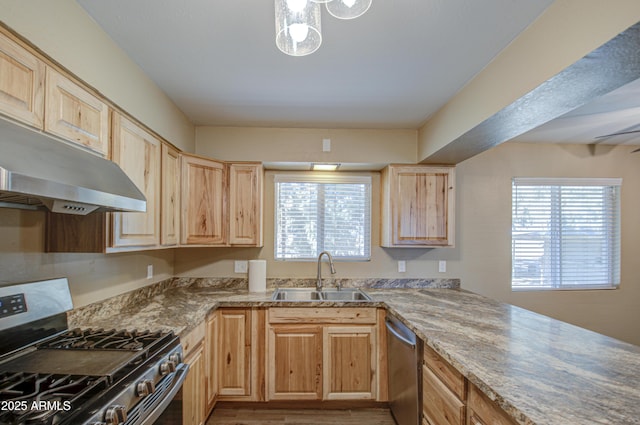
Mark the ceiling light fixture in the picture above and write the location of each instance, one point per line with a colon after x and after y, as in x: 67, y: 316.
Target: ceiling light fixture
x: 298, y: 29
x: 347, y: 9
x: 324, y: 167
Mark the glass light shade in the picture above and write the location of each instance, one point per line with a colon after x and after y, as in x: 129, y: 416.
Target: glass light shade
x: 348, y: 9
x: 298, y: 31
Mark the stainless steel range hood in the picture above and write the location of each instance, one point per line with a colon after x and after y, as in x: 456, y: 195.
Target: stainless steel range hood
x: 37, y: 169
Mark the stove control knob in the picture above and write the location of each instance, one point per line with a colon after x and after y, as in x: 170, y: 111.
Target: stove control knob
x: 144, y: 388
x: 176, y: 358
x: 167, y: 367
x: 115, y: 415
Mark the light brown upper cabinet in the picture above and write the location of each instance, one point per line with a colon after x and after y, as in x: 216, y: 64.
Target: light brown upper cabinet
x: 21, y: 83
x: 203, y: 201
x: 170, y: 198
x: 417, y: 206
x: 221, y: 202
x: 75, y: 114
x: 138, y: 154
x: 245, y: 204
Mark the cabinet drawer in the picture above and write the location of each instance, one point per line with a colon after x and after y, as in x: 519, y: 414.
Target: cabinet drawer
x: 192, y: 339
x: 485, y: 411
x: 323, y: 315
x: 443, y: 370
x: 440, y: 406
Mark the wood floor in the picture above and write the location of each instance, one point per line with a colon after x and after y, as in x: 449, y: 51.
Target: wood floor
x: 247, y: 416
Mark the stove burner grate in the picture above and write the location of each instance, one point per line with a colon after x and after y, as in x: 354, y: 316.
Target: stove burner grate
x: 32, y: 398
x: 100, y: 339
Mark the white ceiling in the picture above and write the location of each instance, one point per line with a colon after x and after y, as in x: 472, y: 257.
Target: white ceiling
x: 391, y: 68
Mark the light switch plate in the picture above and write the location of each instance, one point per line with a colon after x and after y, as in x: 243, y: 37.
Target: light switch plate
x: 326, y: 145
x: 240, y: 266
x: 150, y: 271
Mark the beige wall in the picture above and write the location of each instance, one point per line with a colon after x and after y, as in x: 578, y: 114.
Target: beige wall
x: 64, y: 31
x: 374, y: 147
x: 92, y: 277
x: 567, y: 31
x: 484, y: 231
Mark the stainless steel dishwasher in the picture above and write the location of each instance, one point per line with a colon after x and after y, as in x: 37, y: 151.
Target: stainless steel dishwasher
x: 403, y: 357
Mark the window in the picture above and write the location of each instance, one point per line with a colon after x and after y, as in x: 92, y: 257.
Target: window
x: 565, y: 233
x: 316, y: 213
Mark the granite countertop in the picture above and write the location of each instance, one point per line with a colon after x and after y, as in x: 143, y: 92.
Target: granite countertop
x: 540, y: 370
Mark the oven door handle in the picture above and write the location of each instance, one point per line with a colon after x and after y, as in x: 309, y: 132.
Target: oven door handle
x: 179, y: 377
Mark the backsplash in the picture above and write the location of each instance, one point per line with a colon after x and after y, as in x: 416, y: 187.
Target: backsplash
x: 131, y: 301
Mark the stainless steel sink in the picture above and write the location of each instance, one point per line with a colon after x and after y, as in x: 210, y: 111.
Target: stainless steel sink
x: 348, y: 294
x: 296, y: 294
x: 309, y: 294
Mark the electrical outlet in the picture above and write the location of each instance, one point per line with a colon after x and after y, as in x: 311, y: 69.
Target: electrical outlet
x: 402, y: 266
x: 150, y: 271
x: 240, y: 266
x: 442, y: 266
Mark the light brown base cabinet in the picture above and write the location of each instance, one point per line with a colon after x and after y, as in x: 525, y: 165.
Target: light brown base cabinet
x: 193, y: 389
x: 483, y: 411
x: 448, y: 398
x: 211, y: 361
x: 240, y: 352
x: 193, y: 400
x: 322, y: 354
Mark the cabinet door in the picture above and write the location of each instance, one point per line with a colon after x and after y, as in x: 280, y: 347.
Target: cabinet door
x: 245, y: 204
x: 138, y: 154
x: 234, y: 352
x: 294, y: 362
x: 349, y: 362
x: 440, y: 406
x: 482, y: 410
x: 203, y: 201
x: 418, y: 207
x: 211, y: 376
x: 193, y: 390
x: 21, y: 83
x: 170, y: 211
x: 75, y: 114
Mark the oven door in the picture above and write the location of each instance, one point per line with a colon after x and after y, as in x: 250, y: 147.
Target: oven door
x: 160, y: 406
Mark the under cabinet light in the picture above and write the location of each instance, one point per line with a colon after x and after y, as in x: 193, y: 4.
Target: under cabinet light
x: 324, y: 167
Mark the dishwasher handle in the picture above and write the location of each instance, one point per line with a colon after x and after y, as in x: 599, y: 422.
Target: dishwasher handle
x: 399, y: 336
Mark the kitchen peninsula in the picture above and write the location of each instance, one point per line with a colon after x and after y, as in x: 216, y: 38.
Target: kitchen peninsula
x: 537, y: 369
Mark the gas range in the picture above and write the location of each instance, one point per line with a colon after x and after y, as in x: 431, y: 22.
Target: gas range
x: 52, y: 375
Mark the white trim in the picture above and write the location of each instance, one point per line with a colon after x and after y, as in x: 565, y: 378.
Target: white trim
x: 319, y: 177
x: 566, y: 181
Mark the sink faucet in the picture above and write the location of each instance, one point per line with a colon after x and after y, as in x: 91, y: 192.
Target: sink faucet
x: 333, y: 269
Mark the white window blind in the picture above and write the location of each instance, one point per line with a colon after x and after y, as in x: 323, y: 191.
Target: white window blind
x: 565, y: 233
x: 322, y: 213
